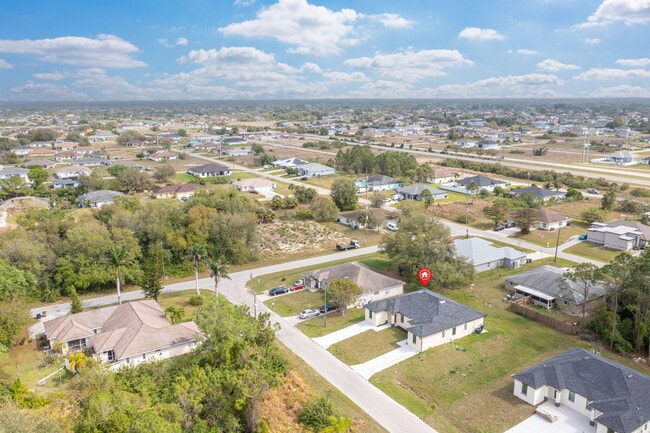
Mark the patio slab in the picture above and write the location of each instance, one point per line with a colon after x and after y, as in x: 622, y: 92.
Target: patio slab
x: 568, y: 421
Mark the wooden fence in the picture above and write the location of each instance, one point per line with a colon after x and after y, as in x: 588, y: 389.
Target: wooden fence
x: 519, y: 307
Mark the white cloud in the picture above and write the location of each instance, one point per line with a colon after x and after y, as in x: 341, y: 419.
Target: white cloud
x: 5, y: 65
x: 475, y: 33
x: 625, y: 11
x: 344, y: 77
x: 182, y: 42
x: 638, y: 63
x: 243, y: 2
x: 309, y: 29
x: 591, y: 41
x: 612, y: 74
x: 526, y: 52
x: 551, y: 65
x: 393, y: 21
x: 623, y: 91
x: 31, y: 91
x: 383, y: 89
x: 234, y: 57
x: 53, y: 76
x: 107, y: 51
x: 311, y: 68
x: 411, y: 65
x: 536, y: 85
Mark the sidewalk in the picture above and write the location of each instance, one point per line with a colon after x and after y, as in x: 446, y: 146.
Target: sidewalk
x: 375, y: 365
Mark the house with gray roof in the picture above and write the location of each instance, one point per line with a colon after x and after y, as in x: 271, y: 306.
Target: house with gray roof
x: 209, y: 170
x: 414, y: 192
x: 377, y: 182
x: 374, y: 285
x: 483, y: 182
x: 9, y: 172
x: 540, y: 193
x: 289, y: 163
x: 123, y: 335
x: 613, y: 398
x: 548, y: 287
x: 619, y: 234
x: 429, y: 318
x: 98, y: 198
x: 93, y: 162
x: 484, y: 256
x: 312, y: 169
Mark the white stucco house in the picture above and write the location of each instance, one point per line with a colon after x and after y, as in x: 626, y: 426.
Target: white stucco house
x: 484, y: 256
x: 258, y: 185
x: 429, y: 318
x: 613, y: 398
x: 619, y: 235
x: 127, y: 334
x: 312, y: 169
x: 374, y: 285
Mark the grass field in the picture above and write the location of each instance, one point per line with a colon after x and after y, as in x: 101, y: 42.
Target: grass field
x: 368, y: 345
x: 594, y: 251
x: 316, y: 327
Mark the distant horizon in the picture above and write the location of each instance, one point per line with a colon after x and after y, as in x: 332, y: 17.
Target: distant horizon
x: 258, y: 50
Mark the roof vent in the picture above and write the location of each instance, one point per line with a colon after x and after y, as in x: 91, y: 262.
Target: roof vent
x: 442, y: 301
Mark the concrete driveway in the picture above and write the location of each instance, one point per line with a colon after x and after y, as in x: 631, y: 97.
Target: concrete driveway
x: 568, y: 421
x: 367, y: 369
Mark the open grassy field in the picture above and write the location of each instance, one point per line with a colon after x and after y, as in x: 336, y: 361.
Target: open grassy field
x: 594, y: 251
x: 368, y: 345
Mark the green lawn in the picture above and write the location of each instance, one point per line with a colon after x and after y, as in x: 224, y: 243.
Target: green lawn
x: 294, y: 302
x: 594, y: 251
x: 547, y: 238
x: 368, y: 345
x: 316, y: 327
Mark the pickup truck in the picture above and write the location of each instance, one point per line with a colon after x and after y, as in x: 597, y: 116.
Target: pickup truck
x: 351, y: 245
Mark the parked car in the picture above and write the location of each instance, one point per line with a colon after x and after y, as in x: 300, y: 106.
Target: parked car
x: 308, y: 313
x: 582, y: 237
x: 297, y: 285
x: 510, y: 224
x: 392, y: 226
x: 330, y: 306
x: 278, y: 291
x: 593, y: 191
x: 499, y: 227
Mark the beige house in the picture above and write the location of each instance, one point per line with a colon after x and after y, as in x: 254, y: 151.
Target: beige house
x: 257, y: 185
x: 375, y: 285
x: 126, y: 334
x: 181, y: 192
x: 549, y: 220
x: 429, y: 318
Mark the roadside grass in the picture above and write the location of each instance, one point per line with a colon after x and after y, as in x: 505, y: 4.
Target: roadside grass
x: 366, y: 237
x: 592, y: 250
x: 317, y: 386
x: 545, y: 238
x: 368, y: 345
x: 182, y: 299
x: 315, y: 327
x: 292, y: 303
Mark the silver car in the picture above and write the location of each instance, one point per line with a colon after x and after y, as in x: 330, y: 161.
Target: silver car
x: 308, y: 313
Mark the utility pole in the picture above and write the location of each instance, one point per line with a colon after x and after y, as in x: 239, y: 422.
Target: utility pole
x: 557, y: 242
x: 325, y: 314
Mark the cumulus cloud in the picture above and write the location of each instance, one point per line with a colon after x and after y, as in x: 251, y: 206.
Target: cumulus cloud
x: 53, y: 76
x: 393, y: 21
x: 243, y: 2
x: 476, y: 33
x: 307, y: 28
x: 513, y: 85
x: 551, y: 65
x: 591, y: 41
x: 612, y: 74
x: 623, y: 91
x: 344, y: 77
x: 237, y: 59
x: 5, y: 65
x: 411, y: 65
x: 180, y: 42
x: 625, y: 11
x: 635, y: 63
x: 107, y: 51
x: 526, y: 52
x: 31, y: 91
x: 311, y: 68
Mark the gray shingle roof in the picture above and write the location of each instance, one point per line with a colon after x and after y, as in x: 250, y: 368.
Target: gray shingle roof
x: 478, y: 251
x: 537, y: 192
x: 620, y: 393
x: 481, y: 181
x: 101, y: 196
x: 209, y: 168
x: 429, y: 312
x: 417, y: 188
x: 368, y: 279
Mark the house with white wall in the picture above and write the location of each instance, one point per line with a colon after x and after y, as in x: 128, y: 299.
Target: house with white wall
x: 619, y: 234
x: 429, y: 318
x: 612, y: 397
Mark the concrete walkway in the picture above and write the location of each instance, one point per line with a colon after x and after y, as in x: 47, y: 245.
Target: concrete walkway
x: 367, y: 369
x: 347, y: 332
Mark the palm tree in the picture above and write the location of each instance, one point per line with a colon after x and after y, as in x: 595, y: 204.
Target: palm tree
x: 77, y: 361
x: 218, y: 270
x: 117, y: 259
x: 175, y: 313
x: 197, y: 253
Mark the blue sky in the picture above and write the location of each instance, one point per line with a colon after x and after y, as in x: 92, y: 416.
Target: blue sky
x: 314, y: 49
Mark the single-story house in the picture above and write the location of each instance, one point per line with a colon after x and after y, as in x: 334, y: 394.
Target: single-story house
x: 98, y: 198
x: 9, y: 172
x: 209, y: 170
x: 93, y: 162
x: 43, y: 163
x: 548, y: 287
x: 620, y: 235
x: 231, y: 141
x: 72, y: 172
x: 441, y: 175
x: 482, y: 182
x: 540, y: 193
x: 414, y: 192
x: 65, y: 145
x: 120, y: 335
x: 374, y: 285
x: 163, y: 155
x: 181, y: 192
x: 238, y: 151
x: 377, y: 182
x: 353, y: 220
x: 312, y: 169
x: 612, y: 397
x: 549, y: 220
x: 429, y: 318
x: 65, y: 183
x: 483, y: 256
x: 289, y: 163
x: 258, y: 185
x: 622, y: 157
x: 488, y: 144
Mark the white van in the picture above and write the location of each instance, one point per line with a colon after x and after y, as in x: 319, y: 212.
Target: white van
x: 392, y: 226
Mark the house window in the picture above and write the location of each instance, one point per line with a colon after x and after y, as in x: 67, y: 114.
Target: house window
x: 572, y: 396
x: 453, y: 331
x: 415, y: 338
x: 610, y: 430
x: 110, y: 355
x: 402, y: 318
x: 524, y: 389
x: 376, y: 293
x: 369, y: 314
x: 465, y: 327
x: 443, y: 334
x: 588, y: 405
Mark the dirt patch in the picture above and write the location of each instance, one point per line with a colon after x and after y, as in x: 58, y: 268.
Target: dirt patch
x: 284, y: 237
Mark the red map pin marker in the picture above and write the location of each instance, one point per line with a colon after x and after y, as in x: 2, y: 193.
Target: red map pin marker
x: 424, y: 275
